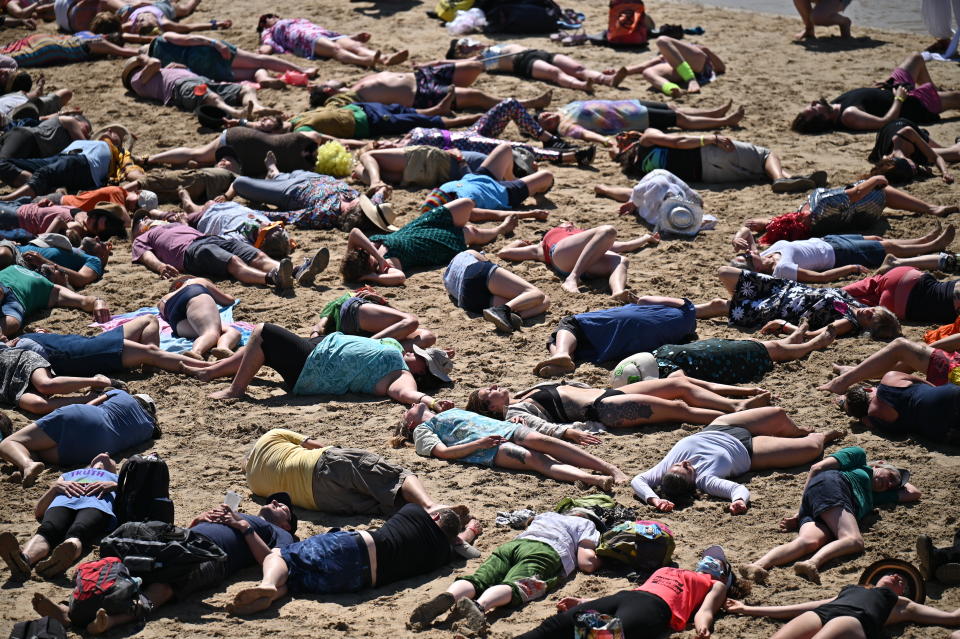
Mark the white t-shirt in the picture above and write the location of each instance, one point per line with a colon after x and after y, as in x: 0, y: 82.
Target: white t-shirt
x: 714, y: 454
x: 813, y: 254
x: 563, y: 533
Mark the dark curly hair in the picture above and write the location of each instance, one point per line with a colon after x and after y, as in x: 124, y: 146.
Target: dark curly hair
x: 856, y: 402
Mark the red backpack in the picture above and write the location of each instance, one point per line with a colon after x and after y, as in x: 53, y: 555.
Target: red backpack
x: 103, y: 584
x: 625, y: 23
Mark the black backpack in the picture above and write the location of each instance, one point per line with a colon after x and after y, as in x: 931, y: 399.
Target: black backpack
x: 143, y: 490
x: 159, y: 552
x: 521, y: 16
x: 42, y: 628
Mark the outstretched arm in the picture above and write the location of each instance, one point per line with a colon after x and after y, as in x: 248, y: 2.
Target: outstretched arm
x: 910, y: 611
x: 774, y: 612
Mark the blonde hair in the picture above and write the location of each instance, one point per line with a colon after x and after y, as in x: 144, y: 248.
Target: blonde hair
x: 885, y: 324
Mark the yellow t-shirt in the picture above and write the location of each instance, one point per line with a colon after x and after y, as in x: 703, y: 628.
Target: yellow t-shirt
x: 278, y: 463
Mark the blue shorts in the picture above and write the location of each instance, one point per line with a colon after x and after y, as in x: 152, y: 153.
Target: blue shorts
x: 82, y: 356
x: 10, y: 305
x: 175, y: 308
x: 395, y: 119
x: 333, y: 562
x: 827, y: 490
x: 853, y: 249
x: 476, y: 296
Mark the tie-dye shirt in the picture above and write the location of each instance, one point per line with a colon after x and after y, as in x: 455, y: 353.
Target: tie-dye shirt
x: 296, y: 36
x: 605, y: 117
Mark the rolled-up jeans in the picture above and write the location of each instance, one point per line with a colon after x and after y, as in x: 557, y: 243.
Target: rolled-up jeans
x: 281, y: 191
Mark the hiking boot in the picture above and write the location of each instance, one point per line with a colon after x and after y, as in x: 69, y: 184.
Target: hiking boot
x: 471, y: 621
x: 925, y: 555
x: 585, y: 156
x: 792, y: 185
x: 819, y: 178
x: 307, y: 272
x: 499, y: 316
x: 282, y: 276
x: 948, y: 574
x: 424, y: 614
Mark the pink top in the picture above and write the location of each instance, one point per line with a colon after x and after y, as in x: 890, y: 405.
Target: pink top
x: 890, y: 290
x: 168, y: 242
x: 35, y: 219
x: 160, y: 86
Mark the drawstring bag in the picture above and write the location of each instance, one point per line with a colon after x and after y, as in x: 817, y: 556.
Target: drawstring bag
x: 594, y: 625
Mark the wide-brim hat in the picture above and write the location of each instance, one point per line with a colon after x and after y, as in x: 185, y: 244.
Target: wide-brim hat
x: 914, y: 586
x: 52, y: 240
x: 127, y: 138
x: 680, y: 216
x: 211, y: 116
x: 438, y: 363
x: 131, y: 66
x: 284, y: 498
x: 112, y: 209
x: 381, y: 215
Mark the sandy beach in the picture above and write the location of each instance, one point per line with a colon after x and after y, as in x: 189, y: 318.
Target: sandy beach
x: 203, y: 441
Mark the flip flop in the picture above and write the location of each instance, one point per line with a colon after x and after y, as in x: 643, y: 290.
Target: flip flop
x: 11, y: 555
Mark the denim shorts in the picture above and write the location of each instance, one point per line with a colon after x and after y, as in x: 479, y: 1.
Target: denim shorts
x: 853, y: 249
x: 333, y: 562
x: 10, y: 305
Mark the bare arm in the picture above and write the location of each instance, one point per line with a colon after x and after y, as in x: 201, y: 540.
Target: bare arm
x: 675, y: 302
x: 152, y: 262
x: 150, y: 69
x: 950, y: 344
x: 743, y: 239
x: 910, y: 611
x: 806, y: 275
x: 909, y: 493
x: 774, y: 612
x: 218, y: 295
x: 703, y: 620
x: 587, y: 559
x: 442, y: 451
x: 854, y: 118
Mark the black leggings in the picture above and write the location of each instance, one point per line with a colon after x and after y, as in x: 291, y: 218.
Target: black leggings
x: 285, y: 352
x: 660, y: 115
x: 89, y: 525
x: 643, y: 615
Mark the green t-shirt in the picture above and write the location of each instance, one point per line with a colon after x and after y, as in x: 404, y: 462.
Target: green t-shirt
x: 31, y: 288
x: 853, y: 464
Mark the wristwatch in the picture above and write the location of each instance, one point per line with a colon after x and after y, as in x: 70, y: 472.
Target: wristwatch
x: 249, y: 531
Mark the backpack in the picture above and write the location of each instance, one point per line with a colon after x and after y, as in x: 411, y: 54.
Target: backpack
x: 645, y: 546
x: 159, y: 552
x: 42, y: 628
x: 521, y: 16
x: 103, y: 584
x: 625, y: 22
x: 446, y: 10
x: 143, y: 490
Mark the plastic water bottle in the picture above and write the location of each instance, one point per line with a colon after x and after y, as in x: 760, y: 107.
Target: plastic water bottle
x: 232, y: 500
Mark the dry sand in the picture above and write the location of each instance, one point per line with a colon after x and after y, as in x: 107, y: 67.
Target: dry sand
x: 203, y: 441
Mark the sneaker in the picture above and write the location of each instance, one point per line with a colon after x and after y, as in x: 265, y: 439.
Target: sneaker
x: 424, y: 614
x: 585, y: 156
x: 282, y: 276
x: 948, y: 574
x: 516, y: 321
x: 499, y: 316
x: 557, y: 143
x: 311, y: 267
x: 925, y: 555
x: 792, y: 185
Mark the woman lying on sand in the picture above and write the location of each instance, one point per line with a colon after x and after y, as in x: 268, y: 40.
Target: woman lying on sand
x: 679, y: 62
x: 840, y: 491
x: 675, y: 399
x: 505, y: 299
x: 192, y: 309
x: 837, y: 256
x: 574, y: 253
x: 755, y: 439
x: 851, y: 209
x: 303, y: 38
x: 468, y: 437
x: 367, y: 314
x: 431, y: 240
x: 761, y: 300
x: 336, y: 364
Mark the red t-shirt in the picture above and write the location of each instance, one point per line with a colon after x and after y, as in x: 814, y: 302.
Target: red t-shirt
x: 890, y: 290
x: 553, y: 236
x: 683, y: 590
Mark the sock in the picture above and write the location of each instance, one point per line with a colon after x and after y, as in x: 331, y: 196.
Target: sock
x: 668, y: 88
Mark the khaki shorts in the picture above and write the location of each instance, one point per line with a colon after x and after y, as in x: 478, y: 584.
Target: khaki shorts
x: 354, y: 482
x: 743, y: 164
x: 426, y: 166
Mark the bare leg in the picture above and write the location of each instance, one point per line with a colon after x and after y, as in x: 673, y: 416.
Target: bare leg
x: 627, y: 411
x: 413, y: 492
x: 698, y: 122
x: 249, y: 60
x: 135, y: 355
x: 577, y: 253
x: 567, y: 453
x: 359, y: 56
x: 911, y: 248
x: 560, y: 361
x: 272, y: 587
x: 848, y: 541
x: 811, y: 537
x: 787, y: 350
x: 521, y: 297
x: 893, y: 356
x: 516, y: 457
x: 17, y: 447
x: 772, y: 167
x: 144, y: 330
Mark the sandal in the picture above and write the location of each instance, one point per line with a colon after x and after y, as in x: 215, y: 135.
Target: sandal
x: 574, y: 39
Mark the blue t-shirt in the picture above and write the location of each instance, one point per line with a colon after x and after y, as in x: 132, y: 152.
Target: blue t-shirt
x: 74, y: 259
x: 98, y: 156
x: 486, y: 192
x: 456, y: 426
x: 87, y: 476
x: 235, y: 546
x: 342, y: 364
x: 614, y: 333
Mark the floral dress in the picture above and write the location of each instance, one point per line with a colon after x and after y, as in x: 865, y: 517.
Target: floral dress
x: 760, y: 298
